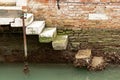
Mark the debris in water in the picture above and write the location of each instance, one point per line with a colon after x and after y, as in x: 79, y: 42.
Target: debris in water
x: 82, y: 58
x: 26, y: 69
x: 97, y: 63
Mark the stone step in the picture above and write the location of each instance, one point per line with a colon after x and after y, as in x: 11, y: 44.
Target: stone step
x: 8, y: 14
x: 6, y: 21
x: 35, y: 28
x: 18, y: 21
x: 60, y: 42
x: 7, y: 2
x: 47, y: 35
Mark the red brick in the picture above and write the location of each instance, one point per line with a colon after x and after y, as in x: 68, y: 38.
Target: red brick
x: 104, y: 0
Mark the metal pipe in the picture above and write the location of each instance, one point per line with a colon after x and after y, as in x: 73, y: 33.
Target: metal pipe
x: 24, y: 36
x: 58, y: 1
x: 26, y: 66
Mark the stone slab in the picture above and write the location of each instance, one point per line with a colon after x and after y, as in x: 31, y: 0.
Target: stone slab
x: 6, y: 21
x: 10, y: 12
x: 48, y: 35
x: 60, y: 42
x: 96, y: 61
x: 98, y: 16
x: 35, y: 28
x: 18, y: 21
x: 83, y: 54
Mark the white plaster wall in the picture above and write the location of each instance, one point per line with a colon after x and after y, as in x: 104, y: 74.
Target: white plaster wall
x: 21, y: 2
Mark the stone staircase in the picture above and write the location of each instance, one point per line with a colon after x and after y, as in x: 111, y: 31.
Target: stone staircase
x: 10, y: 15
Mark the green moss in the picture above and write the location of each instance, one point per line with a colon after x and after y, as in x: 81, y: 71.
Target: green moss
x: 45, y: 40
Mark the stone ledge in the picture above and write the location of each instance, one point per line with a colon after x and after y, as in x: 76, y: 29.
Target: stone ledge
x: 35, y: 28
x: 48, y: 35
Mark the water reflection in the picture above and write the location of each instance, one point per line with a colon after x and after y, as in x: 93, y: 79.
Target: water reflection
x: 55, y: 72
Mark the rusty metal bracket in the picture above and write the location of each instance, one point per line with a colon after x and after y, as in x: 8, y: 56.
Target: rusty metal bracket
x: 58, y: 1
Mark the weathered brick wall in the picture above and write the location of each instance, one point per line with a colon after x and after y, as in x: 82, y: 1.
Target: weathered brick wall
x: 99, y: 40
x: 75, y: 13
x: 100, y: 35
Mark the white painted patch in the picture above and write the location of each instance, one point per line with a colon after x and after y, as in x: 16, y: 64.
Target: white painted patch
x: 18, y: 21
x: 35, y: 28
x: 97, y: 16
x: 21, y: 2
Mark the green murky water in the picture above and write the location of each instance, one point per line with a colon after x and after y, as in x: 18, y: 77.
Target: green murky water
x: 56, y: 72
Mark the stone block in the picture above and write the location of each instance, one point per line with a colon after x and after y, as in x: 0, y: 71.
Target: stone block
x: 18, y: 21
x: 35, y: 28
x: 60, y: 42
x: 98, y: 16
x: 47, y: 35
x: 83, y: 54
x: 96, y: 61
x: 6, y: 21
x: 75, y: 44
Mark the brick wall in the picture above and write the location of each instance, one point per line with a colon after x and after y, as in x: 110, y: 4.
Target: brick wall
x: 98, y: 40
x: 75, y: 13
x: 90, y: 24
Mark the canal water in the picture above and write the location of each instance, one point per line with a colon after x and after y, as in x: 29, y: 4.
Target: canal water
x: 56, y: 72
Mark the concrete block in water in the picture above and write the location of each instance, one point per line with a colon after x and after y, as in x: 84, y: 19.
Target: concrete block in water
x: 83, y: 54
x: 35, y: 28
x: 60, y: 42
x: 97, y: 16
x: 48, y: 35
x: 96, y: 61
x: 82, y: 58
x: 18, y: 21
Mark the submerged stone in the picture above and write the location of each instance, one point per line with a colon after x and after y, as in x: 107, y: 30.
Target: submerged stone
x: 97, y: 63
x: 82, y: 58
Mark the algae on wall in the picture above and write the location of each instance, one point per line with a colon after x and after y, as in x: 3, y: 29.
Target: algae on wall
x: 105, y: 40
